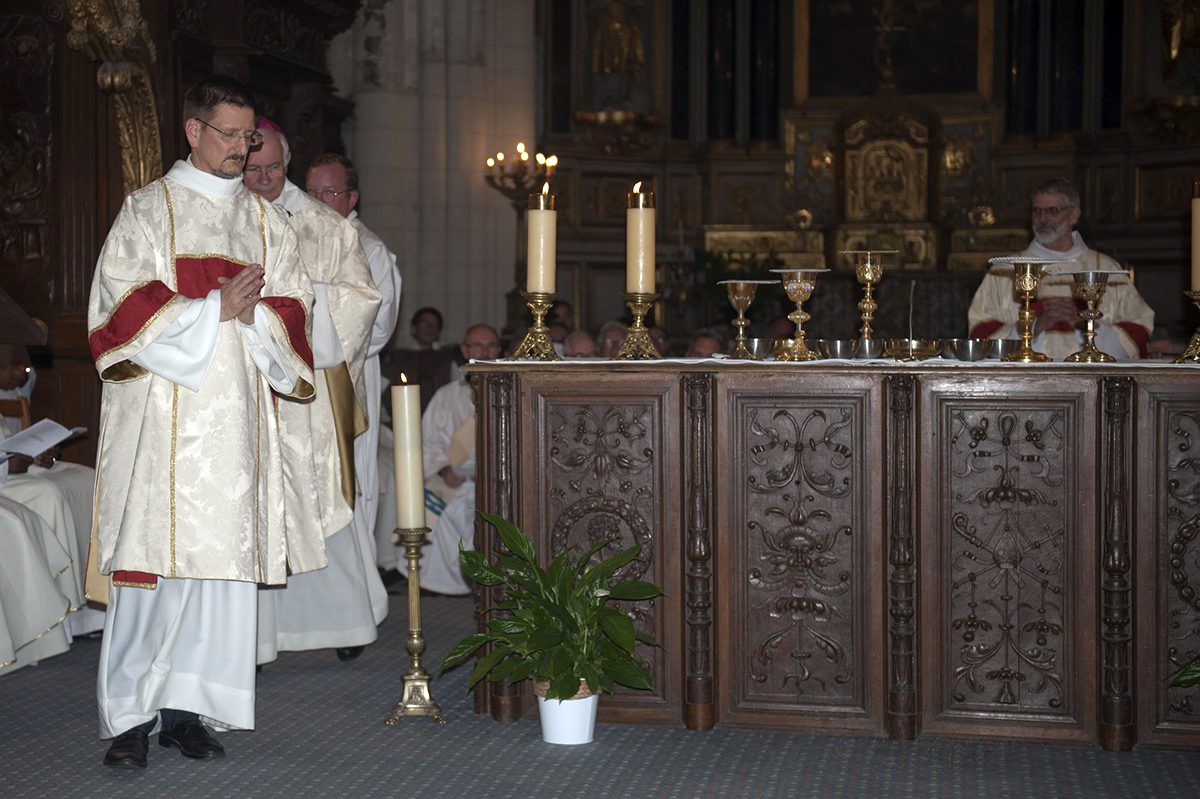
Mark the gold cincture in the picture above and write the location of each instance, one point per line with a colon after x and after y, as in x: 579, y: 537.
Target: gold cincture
x: 1090, y: 287
x: 638, y: 346
x: 416, y: 699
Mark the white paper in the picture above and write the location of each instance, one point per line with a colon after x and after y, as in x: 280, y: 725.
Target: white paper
x: 39, y: 437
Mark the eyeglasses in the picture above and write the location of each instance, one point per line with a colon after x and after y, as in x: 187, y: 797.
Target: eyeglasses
x: 252, y: 139
x: 325, y: 195
x: 1053, y: 210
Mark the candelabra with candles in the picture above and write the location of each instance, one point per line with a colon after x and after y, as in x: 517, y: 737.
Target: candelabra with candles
x: 516, y: 178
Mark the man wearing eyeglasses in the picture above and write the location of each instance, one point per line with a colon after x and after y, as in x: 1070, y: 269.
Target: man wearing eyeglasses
x: 333, y: 179
x: 197, y: 321
x: 1125, y: 328
x: 338, y: 607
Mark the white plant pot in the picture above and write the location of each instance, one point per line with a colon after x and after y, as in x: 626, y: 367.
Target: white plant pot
x: 568, y: 721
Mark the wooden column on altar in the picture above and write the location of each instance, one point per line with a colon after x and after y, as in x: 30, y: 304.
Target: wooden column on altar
x: 884, y: 550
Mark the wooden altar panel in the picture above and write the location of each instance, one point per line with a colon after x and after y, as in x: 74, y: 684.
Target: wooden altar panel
x: 1168, y: 580
x: 1007, y: 525
x: 799, y: 562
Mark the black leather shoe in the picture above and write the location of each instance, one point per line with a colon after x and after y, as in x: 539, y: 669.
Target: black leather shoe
x: 128, y: 750
x: 192, y: 739
x: 347, y: 653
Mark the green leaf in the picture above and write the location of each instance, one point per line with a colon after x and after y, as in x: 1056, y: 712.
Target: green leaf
x: 544, y: 638
x: 646, y: 638
x: 618, y: 627
x: 516, y: 541
x: 486, y: 663
x: 634, y: 589
x: 598, y: 575
x: 586, y: 557
x: 462, y: 650
x: 564, y: 686
x: 475, y: 566
x: 1186, y: 677
x: 626, y: 671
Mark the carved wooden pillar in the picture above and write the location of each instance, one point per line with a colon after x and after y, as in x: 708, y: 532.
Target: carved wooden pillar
x: 1116, y: 699
x: 497, y: 495
x: 698, y: 703
x: 902, y: 696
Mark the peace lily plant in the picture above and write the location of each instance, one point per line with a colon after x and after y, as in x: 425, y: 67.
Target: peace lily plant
x: 555, y: 625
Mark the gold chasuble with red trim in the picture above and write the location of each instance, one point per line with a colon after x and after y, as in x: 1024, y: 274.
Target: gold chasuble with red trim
x: 191, y: 483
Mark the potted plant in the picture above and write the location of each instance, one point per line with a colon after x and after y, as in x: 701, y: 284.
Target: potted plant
x: 556, y: 627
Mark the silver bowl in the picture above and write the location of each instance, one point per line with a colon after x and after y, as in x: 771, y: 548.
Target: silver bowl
x: 967, y: 349
x: 1004, y: 346
x: 868, y: 348
x: 760, y: 348
x: 841, y: 348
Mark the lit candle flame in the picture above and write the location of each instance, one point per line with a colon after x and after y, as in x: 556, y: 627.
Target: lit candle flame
x: 491, y: 162
x: 403, y: 378
x: 541, y: 159
x: 520, y: 146
x: 546, y: 187
x: 552, y: 160
x: 637, y: 187
x: 524, y: 156
x: 499, y: 157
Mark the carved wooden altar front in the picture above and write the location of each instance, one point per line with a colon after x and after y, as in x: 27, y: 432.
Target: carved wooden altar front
x: 882, y: 550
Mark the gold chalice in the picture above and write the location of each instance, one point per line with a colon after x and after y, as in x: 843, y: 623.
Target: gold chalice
x: 798, y: 284
x: 1027, y: 279
x: 741, y: 294
x: 1090, y: 287
x: 868, y: 268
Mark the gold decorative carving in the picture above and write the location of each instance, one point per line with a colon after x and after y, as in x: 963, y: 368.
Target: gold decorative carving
x: 114, y: 33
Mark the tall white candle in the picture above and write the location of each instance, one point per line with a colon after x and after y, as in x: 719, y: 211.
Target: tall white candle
x: 406, y: 452
x: 639, y: 241
x: 542, y: 223
x: 1196, y: 235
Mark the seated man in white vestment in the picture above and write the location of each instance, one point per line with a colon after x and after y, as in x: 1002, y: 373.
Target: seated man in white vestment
x: 333, y: 179
x: 198, y: 320
x: 1125, y: 329
x: 338, y: 607
x: 448, y: 443
x: 33, y: 605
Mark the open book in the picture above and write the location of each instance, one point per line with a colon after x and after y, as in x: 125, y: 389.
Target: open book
x: 36, y: 439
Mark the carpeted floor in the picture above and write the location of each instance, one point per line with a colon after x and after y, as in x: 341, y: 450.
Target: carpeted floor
x: 320, y: 733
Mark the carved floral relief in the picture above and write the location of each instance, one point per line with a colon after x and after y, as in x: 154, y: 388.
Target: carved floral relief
x: 1183, y: 558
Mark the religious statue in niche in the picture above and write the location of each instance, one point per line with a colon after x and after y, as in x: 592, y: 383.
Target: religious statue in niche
x: 1181, y: 46
x: 618, y: 56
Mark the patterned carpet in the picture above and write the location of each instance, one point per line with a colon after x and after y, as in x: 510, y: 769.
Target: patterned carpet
x: 320, y: 733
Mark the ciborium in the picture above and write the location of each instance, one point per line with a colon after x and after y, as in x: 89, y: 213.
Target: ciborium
x: 638, y: 346
x: 536, y: 346
x: 798, y: 284
x: 1090, y: 287
x: 1027, y: 279
x: 1192, y: 353
x: 868, y: 268
x: 741, y: 294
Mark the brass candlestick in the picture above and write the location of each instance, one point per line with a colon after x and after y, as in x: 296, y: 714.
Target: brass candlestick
x: 798, y: 284
x: 741, y: 294
x: 1090, y: 287
x: 1192, y: 353
x: 536, y: 346
x: 638, y: 346
x: 416, y: 699
x: 868, y: 268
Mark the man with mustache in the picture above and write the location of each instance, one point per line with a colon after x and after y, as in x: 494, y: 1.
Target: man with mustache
x: 1125, y: 329
x: 198, y: 321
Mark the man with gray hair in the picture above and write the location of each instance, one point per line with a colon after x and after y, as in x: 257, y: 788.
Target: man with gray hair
x: 1125, y: 329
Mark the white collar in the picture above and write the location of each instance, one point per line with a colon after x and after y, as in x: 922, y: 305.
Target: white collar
x: 204, y: 182
x: 352, y: 215
x: 292, y: 198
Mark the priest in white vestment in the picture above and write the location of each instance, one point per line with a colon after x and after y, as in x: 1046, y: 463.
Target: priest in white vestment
x: 198, y: 322
x: 1125, y: 329
x: 338, y: 607
x: 333, y: 179
x: 33, y: 607
x: 448, y: 444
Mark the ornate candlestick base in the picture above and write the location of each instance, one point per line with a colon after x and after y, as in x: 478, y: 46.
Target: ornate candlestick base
x: 798, y: 284
x: 536, y: 346
x: 416, y: 699
x: 1192, y: 353
x: 1027, y: 278
x: 1090, y: 287
x: 638, y: 346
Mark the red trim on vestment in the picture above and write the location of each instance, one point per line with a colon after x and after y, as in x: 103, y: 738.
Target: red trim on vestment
x: 129, y: 318
x: 136, y: 579
x: 294, y: 317
x: 1139, y: 334
x: 986, y: 328
x: 198, y: 276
